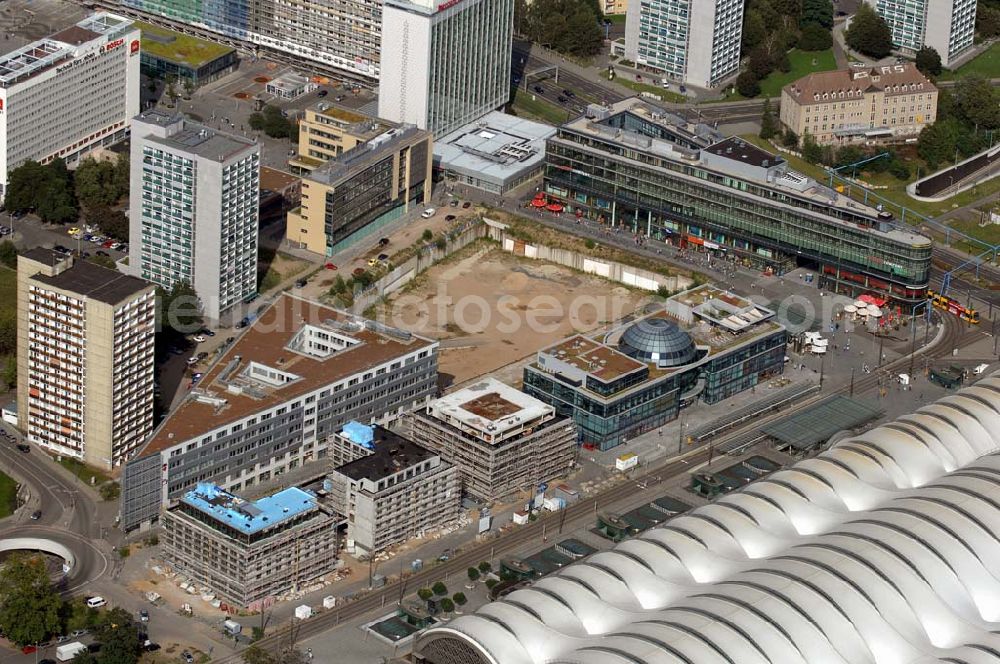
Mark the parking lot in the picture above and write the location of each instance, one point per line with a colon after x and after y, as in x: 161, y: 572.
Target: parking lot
x: 29, y: 231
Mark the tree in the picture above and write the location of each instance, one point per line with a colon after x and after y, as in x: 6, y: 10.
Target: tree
x: 937, y: 142
x: 811, y: 150
x: 119, y: 637
x: 571, y: 27
x: 29, y: 605
x: 819, y: 12
x: 180, y: 309
x: 8, y: 254
x: 427, y: 235
x: 789, y: 139
x: 485, y: 567
x: 112, y: 223
x: 77, y: 615
x: 425, y: 593
x: 760, y: 62
x: 439, y: 588
x: 257, y: 655
x: 95, y: 183
x: 747, y: 85
x: 899, y: 169
x: 754, y: 30
x: 929, y: 61
x: 815, y: 38
x: 22, y: 184
x: 8, y: 332
x: 473, y: 574
x: 987, y: 21
x: 459, y: 598
x: 868, y: 33
x: 447, y: 605
x: 10, y: 372
x: 44, y: 189
x: 849, y: 154
x: 977, y: 103
x: 110, y: 491
x: 768, y: 124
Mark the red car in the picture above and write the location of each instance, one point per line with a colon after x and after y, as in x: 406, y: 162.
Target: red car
x: 330, y: 266
x: 107, y: 245
x: 27, y: 650
x: 358, y: 271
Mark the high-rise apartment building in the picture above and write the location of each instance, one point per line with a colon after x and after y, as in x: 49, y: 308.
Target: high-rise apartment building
x: 68, y: 93
x: 946, y: 25
x: 690, y: 41
x: 396, y: 491
x: 339, y: 36
x: 447, y: 64
x: 195, y: 209
x: 85, y: 359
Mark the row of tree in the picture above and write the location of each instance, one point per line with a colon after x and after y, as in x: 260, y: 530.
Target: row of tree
x: 32, y: 611
x: 572, y: 27
x: 273, y: 123
x: 967, y: 118
x: 58, y: 195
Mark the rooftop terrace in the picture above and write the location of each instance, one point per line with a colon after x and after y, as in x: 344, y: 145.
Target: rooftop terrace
x: 489, y: 406
x: 178, y: 47
x: 249, y: 517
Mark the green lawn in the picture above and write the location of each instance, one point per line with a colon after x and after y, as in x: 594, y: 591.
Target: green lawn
x: 84, y: 472
x: 538, y: 108
x: 985, y: 64
x: 8, y: 495
x: 803, y: 62
x: 617, y: 19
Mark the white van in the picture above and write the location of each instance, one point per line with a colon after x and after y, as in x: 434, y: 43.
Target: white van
x: 96, y: 602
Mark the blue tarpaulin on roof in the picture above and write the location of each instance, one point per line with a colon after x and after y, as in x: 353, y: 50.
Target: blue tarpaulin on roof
x: 360, y: 434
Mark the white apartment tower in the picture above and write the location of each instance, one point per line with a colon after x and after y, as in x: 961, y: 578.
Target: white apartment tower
x: 85, y: 359
x: 194, y: 210
x: 946, y: 25
x: 68, y: 93
x: 690, y: 41
x: 444, y: 65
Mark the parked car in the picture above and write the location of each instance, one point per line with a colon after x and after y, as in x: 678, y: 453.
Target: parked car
x: 569, y: 93
x: 73, y: 231
x: 201, y: 356
x: 23, y: 447
x: 79, y: 632
x: 428, y: 213
x: 466, y: 205
x: 330, y: 266
x: 383, y: 242
x: 198, y: 339
x: 372, y: 262
x: 358, y: 271
x: 187, y: 657
x: 322, y: 93
x: 96, y: 602
x: 539, y: 89
x: 143, y: 615
x: 108, y: 244
x: 101, y: 252
x: 192, y: 361
x: 36, y: 515
x: 301, y: 283
x: 454, y: 202
x: 207, y: 332
x: 561, y: 99
x: 230, y: 340
x: 450, y: 217
x: 61, y: 249
x: 383, y: 257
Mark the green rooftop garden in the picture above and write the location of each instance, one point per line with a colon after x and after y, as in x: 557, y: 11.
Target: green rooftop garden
x: 177, y: 47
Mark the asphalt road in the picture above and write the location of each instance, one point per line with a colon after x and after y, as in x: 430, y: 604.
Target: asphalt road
x: 955, y: 335
x: 69, y: 513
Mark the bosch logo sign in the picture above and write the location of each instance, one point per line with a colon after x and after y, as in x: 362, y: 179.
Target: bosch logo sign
x: 133, y: 48
x: 445, y: 5
x: 112, y: 45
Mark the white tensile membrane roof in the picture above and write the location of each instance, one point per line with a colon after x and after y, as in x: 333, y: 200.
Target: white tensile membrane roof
x: 884, y: 549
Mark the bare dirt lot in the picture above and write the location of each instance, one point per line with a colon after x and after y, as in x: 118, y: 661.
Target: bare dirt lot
x: 491, y: 309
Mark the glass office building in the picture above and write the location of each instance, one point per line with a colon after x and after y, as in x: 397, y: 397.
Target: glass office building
x: 707, y: 344
x: 733, y: 199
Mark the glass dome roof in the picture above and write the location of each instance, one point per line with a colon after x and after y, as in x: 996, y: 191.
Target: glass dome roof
x: 658, y: 340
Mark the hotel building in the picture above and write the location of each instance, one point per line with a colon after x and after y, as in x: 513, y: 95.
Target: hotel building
x: 68, y: 93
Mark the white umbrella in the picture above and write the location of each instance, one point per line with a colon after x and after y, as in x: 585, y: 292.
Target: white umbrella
x: 850, y: 309
x: 874, y: 311
x: 860, y: 304
x: 863, y: 311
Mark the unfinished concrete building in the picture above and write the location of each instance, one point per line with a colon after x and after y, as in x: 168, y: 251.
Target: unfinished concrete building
x: 502, y: 440
x: 396, y: 491
x: 249, y: 552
